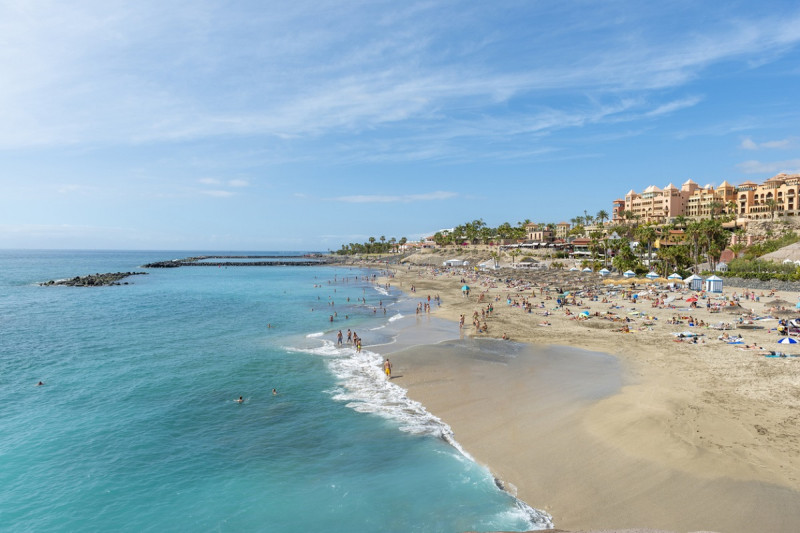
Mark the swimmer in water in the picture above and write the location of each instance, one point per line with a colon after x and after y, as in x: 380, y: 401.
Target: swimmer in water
x: 240, y: 400
x: 274, y: 392
x: 40, y: 384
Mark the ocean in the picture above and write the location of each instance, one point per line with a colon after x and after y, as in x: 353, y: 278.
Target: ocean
x: 137, y: 427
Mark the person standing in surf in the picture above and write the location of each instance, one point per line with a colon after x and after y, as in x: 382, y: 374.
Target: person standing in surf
x: 387, y: 367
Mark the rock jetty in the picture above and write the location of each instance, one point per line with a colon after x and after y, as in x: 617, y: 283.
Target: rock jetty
x: 268, y: 260
x: 94, y: 280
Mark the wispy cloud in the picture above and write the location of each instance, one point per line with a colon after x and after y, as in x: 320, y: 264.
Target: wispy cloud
x: 673, y: 106
x: 405, y: 198
x: 791, y: 166
x: 749, y: 144
x: 221, y: 193
x: 217, y: 193
x: 146, y: 73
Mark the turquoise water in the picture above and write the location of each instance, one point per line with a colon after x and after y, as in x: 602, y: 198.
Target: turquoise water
x: 136, y: 427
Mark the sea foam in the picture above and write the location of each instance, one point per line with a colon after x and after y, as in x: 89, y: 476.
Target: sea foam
x: 364, y: 387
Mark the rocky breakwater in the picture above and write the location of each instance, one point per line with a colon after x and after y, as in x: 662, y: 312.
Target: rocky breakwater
x: 272, y: 261
x: 94, y: 280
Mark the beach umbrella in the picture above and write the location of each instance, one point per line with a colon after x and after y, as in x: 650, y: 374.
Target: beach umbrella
x: 584, y: 313
x: 787, y: 340
x: 797, y: 305
x: 692, y: 299
x: 574, y: 269
x: 587, y: 269
x: 651, y: 275
x: 465, y: 288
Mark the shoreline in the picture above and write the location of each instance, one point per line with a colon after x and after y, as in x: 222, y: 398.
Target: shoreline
x: 667, y: 451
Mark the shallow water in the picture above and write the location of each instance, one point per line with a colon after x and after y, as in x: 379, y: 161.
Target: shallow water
x: 136, y: 427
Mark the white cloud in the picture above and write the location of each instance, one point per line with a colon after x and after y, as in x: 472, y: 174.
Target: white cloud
x: 784, y: 143
x: 238, y: 183
x: 406, y: 198
x: 791, y: 166
x: 209, y: 181
x: 675, y: 105
x: 136, y: 73
x: 217, y: 193
x: 749, y: 144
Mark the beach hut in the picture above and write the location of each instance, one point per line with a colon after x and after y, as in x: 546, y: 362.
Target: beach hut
x: 574, y: 269
x: 722, y: 267
x: 455, y: 263
x: 714, y: 284
x: 605, y: 272
x: 651, y: 275
x: 629, y: 273
x: 674, y: 277
x: 695, y: 282
x: 587, y: 269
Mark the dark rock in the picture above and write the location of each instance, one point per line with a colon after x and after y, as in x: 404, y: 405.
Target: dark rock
x: 94, y: 280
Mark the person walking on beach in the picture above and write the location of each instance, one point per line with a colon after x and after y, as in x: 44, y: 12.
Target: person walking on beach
x: 339, y: 338
x: 387, y: 367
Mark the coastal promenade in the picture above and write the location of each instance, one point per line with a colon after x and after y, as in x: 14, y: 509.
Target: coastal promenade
x: 699, y: 436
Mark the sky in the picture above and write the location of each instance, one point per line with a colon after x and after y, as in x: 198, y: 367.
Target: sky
x: 305, y: 125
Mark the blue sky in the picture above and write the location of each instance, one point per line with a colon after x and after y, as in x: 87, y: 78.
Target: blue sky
x: 204, y: 125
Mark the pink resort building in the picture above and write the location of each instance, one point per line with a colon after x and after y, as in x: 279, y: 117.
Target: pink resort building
x: 776, y: 197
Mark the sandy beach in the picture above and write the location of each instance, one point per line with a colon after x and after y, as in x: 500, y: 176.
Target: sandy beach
x: 634, y: 429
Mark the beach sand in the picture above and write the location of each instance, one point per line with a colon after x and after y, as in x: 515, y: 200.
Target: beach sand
x: 667, y: 435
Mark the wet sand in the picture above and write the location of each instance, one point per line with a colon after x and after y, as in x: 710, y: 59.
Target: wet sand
x: 661, y: 435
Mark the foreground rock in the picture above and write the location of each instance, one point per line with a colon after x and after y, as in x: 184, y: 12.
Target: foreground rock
x: 94, y: 280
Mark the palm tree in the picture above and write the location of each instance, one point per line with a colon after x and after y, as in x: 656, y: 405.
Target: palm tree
x: 714, y: 207
x: 772, y: 205
x: 731, y: 208
x: 602, y: 216
x: 505, y: 231
x: 694, y: 233
x: 628, y: 215
x: 647, y: 235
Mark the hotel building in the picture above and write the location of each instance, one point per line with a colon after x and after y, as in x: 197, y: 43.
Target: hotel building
x: 776, y: 197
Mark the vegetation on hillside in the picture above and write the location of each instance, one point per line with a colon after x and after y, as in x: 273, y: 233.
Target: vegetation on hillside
x: 628, y: 246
